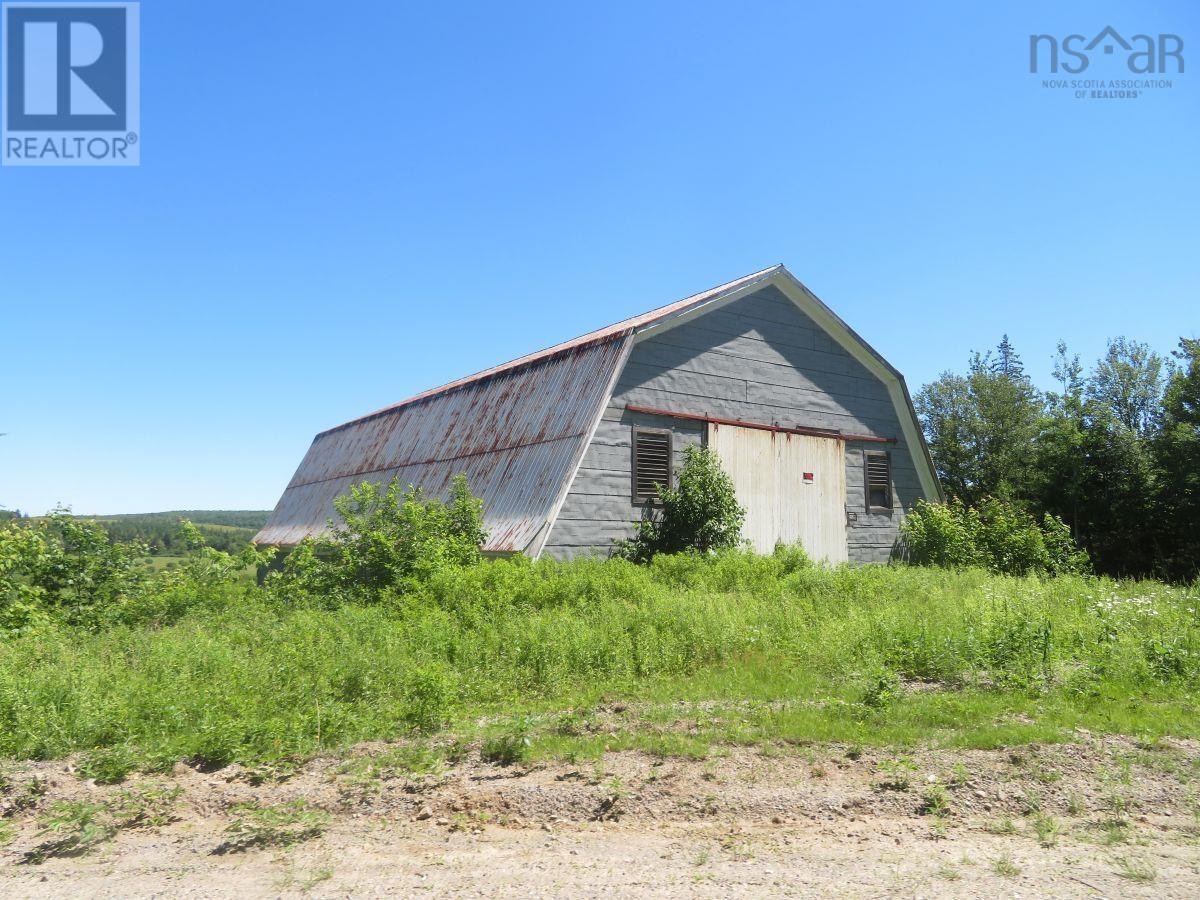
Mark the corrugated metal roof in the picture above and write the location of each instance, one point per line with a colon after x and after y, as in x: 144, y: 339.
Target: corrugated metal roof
x: 517, y: 436
x: 516, y: 431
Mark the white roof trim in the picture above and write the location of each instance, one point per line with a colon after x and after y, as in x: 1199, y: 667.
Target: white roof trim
x: 535, y: 547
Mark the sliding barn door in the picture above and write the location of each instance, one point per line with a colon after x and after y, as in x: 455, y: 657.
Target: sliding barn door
x: 793, y: 487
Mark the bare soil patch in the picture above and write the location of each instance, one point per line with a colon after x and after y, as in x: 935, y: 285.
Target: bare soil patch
x: 1099, y: 817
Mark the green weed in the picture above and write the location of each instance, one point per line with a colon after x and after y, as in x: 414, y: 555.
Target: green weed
x: 108, y: 765
x: 935, y: 801
x: 896, y: 774
x: 255, y: 826
x: 245, y: 676
x: 72, y: 828
x: 1047, y: 830
x: 1004, y: 866
x: 508, y: 747
x: 1134, y: 869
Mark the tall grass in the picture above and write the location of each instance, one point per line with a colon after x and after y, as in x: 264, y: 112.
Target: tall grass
x: 259, y: 679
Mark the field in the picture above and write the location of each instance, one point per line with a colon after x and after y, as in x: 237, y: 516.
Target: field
x: 228, y: 530
x: 725, y: 717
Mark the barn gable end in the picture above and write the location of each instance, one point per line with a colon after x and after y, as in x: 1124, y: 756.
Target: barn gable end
x: 758, y: 359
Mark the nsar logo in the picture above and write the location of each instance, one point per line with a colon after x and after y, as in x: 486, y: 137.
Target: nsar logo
x: 70, y: 84
x: 1112, y: 59
x: 1144, y: 55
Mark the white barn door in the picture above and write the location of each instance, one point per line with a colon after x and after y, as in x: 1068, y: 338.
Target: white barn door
x: 793, y: 487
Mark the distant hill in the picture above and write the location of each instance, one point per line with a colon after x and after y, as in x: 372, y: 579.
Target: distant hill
x: 238, y: 518
x: 228, y: 530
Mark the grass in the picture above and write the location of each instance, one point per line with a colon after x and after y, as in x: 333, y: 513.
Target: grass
x: 76, y: 827
x: 1048, y: 830
x: 256, y: 825
x: 948, y: 872
x: 1004, y: 866
x: 1002, y: 826
x: 750, y: 650
x: 1137, y: 870
x: 108, y: 765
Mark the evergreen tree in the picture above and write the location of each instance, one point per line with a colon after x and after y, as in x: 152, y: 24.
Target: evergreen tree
x: 1007, y: 362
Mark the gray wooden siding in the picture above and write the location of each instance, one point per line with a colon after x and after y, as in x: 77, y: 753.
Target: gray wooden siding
x: 759, y: 359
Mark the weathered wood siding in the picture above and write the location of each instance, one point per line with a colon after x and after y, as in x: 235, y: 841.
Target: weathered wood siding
x: 758, y: 359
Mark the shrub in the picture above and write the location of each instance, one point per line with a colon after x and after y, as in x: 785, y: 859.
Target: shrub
x: 701, y: 515
x: 429, y: 696
x: 941, y: 534
x: 389, y: 539
x: 508, y: 747
x: 882, y: 689
x: 107, y: 765
x: 996, y: 535
x: 65, y: 568
x: 207, y: 578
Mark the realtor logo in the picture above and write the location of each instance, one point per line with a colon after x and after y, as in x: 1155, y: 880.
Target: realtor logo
x: 70, y: 93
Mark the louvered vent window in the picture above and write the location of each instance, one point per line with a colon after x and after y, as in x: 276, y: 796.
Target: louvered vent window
x: 651, y: 462
x: 879, y: 481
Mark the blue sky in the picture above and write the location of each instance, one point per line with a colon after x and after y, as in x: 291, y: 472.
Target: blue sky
x: 342, y: 204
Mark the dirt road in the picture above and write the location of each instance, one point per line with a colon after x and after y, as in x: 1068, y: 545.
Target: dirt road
x: 1096, y: 818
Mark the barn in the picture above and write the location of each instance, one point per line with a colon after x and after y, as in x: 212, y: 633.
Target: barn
x: 564, y: 446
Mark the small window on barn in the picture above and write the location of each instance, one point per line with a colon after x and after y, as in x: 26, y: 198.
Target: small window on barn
x: 651, y: 462
x: 879, y: 481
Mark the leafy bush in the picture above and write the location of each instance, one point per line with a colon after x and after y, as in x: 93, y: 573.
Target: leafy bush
x: 63, y: 567
x: 390, y: 538
x: 429, y: 695
x: 996, y: 536
x: 702, y: 514
x: 509, y: 746
x: 882, y: 689
x: 107, y: 765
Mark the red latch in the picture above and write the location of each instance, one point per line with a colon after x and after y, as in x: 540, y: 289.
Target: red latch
x: 808, y: 476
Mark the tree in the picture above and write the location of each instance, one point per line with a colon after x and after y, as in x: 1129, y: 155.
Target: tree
x: 1177, y: 452
x: 1129, y: 380
x: 1095, y: 473
x: 1060, y: 451
x: 950, y: 418
x: 981, y: 426
x: 1007, y: 362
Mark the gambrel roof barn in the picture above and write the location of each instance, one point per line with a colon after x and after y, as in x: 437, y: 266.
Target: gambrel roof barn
x: 565, y: 445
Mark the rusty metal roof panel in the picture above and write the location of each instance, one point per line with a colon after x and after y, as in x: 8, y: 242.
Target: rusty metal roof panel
x: 516, y: 435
